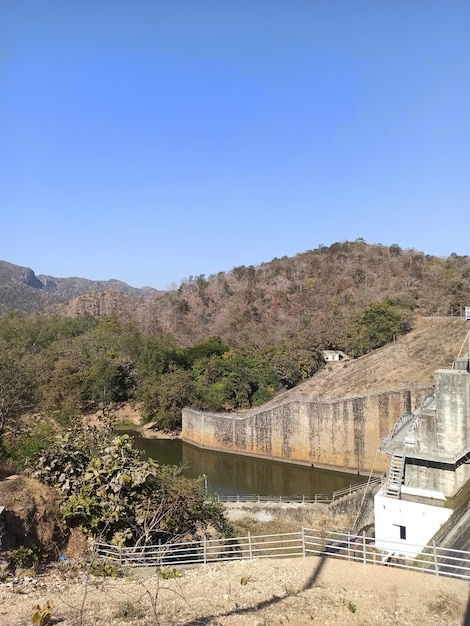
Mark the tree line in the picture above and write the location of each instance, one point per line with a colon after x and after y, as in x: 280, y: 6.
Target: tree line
x: 54, y: 370
x: 63, y: 367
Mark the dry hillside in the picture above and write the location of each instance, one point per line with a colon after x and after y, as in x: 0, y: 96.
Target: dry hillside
x: 315, y: 295
x: 433, y: 343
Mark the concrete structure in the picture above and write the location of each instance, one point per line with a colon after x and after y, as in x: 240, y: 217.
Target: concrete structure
x: 334, y: 356
x: 339, y: 434
x: 401, y: 524
x: 429, y: 452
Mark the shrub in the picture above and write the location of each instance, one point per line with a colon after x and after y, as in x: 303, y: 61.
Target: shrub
x: 110, y: 491
x: 128, y: 610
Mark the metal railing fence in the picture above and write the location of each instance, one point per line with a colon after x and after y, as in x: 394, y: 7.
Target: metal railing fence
x: 429, y: 559
x: 299, y: 499
x: 339, y: 493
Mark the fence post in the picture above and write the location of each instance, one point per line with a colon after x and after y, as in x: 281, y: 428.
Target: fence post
x: 303, y: 541
x: 349, y: 545
x: 250, y: 549
x: 204, y: 550
x: 303, y: 498
x: 434, y: 552
x: 364, y: 555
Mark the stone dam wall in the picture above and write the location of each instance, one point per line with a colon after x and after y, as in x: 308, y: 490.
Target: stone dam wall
x: 338, y: 434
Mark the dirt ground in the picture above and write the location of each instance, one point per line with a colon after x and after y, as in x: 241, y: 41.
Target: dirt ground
x: 262, y: 592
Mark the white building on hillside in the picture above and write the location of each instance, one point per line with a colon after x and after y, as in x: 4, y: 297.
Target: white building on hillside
x: 334, y: 355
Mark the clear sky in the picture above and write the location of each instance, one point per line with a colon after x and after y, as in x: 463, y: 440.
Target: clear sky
x: 151, y: 140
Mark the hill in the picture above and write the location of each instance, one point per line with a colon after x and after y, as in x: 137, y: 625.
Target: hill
x: 431, y: 344
x: 21, y: 290
x: 314, y: 295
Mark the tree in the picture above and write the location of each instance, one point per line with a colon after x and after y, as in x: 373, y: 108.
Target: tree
x: 395, y: 249
x: 110, y: 491
x: 164, y: 396
x: 377, y: 325
x: 16, y: 388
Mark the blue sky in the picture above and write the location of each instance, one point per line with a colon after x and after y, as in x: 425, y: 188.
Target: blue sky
x: 153, y: 140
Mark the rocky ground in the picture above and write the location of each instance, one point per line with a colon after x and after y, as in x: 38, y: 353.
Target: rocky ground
x: 260, y: 592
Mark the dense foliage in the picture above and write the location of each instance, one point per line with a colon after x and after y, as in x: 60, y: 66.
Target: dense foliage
x: 111, y: 492
x: 228, y: 342
x: 62, y: 367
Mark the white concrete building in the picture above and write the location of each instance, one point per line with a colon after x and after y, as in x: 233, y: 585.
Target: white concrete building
x: 334, y: 356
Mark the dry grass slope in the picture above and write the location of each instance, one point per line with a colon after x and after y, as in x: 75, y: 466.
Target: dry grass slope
x: 433, y: 343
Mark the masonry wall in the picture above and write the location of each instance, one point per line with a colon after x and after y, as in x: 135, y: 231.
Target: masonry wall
x: 343, y: 434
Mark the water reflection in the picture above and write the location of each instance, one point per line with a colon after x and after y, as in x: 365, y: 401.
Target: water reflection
x: 232, y: 474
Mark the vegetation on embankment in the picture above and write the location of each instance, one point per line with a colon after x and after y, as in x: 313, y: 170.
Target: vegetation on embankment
x: 90, y: 480
x: 62, y: 367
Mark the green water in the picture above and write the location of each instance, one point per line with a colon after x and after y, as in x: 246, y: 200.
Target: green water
x: 232, y: 474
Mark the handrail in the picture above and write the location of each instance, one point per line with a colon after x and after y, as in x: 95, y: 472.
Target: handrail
x: 404, y: 420
x: 430, y: 559
x: 298, y: 499
x: 352, y: 488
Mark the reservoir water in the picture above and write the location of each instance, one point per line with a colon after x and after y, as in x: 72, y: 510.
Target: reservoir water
x: 232, y: 474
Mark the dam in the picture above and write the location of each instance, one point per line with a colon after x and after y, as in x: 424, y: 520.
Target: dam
x: 342, y: 435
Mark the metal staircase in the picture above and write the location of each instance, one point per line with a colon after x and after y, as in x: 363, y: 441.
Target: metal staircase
x: 395, y: 475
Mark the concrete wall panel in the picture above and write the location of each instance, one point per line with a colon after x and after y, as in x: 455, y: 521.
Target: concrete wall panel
x: 342, y: 434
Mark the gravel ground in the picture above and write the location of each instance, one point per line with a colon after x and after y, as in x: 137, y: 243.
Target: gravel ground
x: 252, y: 593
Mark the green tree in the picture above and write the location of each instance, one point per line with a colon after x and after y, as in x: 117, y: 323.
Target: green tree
x: 377, y: 325
x: 109, y: 490
x: 165, y: 396
x: 157, y: 357
x: 17, y: 388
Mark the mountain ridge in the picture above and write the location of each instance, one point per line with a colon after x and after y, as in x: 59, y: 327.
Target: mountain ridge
x: 315, y: 295
x: 22, y: 290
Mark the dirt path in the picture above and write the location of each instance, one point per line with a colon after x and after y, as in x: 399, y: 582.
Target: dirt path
x: 250, y: 593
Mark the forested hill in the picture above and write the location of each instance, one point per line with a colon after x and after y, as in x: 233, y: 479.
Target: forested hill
x: 24, y: 291
x: 317, y: 296
x: 226, y: 342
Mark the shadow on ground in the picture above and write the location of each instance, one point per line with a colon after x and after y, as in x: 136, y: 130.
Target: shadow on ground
x: 207, y: 619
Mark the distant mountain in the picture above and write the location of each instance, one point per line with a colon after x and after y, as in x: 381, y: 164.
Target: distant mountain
x: 315, y: 295
x: 21, y: 290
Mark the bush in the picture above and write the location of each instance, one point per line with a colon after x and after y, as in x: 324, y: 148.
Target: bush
x: 110, y: 491
x: 128, y: 610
